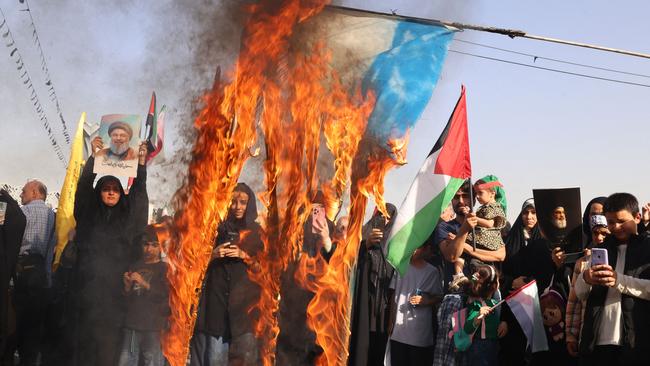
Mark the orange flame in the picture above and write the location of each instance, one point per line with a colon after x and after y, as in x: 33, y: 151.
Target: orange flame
x: 329, y: 310
x: 297, y: 100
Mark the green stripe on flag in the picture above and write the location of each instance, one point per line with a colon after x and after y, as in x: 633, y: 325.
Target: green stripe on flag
x: 417, y: 230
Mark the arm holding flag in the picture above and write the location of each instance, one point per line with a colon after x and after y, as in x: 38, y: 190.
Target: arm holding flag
x: 138, y: 197
x: 452, y: 249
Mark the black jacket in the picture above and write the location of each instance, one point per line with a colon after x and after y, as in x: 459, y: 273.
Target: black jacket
x: 228, y: 292
x: 107, y: 243
x: 147, y: 310
x: 636, y: 312
x: 11, y: 236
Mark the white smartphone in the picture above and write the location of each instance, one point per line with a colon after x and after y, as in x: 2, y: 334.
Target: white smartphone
x: 599, y: 256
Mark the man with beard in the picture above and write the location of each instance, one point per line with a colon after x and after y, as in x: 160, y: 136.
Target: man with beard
x: 559, y: 218
x: 450, y: 237
x: 120, y: 134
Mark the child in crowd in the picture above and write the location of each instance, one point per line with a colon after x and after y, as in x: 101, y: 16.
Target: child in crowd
x: 491, y: 220
x: 146, y: 290
x: 482, y: 319
x: 574, y: 307
x: 616, y: 323
x: 411, y: 341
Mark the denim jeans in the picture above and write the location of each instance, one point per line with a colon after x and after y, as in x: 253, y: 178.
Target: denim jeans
x: 206, y: 350
x: 136, y: 344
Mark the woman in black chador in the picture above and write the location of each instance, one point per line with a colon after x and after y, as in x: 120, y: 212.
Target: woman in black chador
x: 108, y: 224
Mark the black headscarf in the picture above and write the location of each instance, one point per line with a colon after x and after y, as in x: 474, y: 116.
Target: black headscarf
x: 233, y: 224
x: 586, y: 226
x: 516, y: 240
x: 117, y: 212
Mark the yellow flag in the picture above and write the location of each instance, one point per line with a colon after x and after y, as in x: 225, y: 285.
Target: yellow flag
x: 65, y: 213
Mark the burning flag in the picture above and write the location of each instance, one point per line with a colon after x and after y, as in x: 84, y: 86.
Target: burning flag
x: 65, y: 213
x: 306, y: 77
x: 443, y: 172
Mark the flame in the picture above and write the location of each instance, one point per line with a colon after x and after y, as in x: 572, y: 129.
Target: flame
x: 398, y: 147
x: 297, y: 101
x: 217, y: 159
x: 329, y: 310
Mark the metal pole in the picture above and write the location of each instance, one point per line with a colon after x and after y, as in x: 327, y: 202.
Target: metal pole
x: 471, y: 209
x: 512, y: 33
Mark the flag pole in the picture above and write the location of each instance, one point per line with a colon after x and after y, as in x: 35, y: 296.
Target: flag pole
x: 512, y: 33
x: 471, y: 209
x: 493, y: 307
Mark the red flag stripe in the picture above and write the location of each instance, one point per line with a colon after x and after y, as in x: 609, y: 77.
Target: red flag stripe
x: 454, y: 159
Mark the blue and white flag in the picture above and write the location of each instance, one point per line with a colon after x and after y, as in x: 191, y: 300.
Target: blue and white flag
x: 399, y: 60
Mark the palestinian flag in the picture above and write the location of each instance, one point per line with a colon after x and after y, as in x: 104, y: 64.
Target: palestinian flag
x: 524, y: 304
x: 443, y: 172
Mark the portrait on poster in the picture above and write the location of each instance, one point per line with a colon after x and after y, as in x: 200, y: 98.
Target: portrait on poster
x: 118, y: 154
x: 559, y: 215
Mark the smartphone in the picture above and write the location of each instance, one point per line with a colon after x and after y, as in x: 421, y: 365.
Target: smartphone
x: 599, y: 256
x: 317, y: 215
x: 379, y: 221
x: 572, y: 257
x: 232, y: 237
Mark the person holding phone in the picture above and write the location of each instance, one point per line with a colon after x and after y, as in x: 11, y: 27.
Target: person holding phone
x: 372, y: 295
x: 298, y: 346
x: 616, y: 324
x: 599, y: 232
x: 224, y: 330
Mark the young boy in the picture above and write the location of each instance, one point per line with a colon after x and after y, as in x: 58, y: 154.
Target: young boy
x: 616, y: 324
x: 146, y: 290
x: 416, y: 292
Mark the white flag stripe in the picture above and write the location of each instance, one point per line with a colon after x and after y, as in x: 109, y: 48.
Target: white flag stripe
x: 525, y: 307
x: 425, y: 187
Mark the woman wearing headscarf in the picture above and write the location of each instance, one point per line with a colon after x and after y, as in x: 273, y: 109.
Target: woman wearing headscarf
x: 108, y: 224
x: 224, y: 328
x: 523, y: 231
x: 372, y: 296
x: 296, y: 342
x: 535, y: 260
x: 594, y: 207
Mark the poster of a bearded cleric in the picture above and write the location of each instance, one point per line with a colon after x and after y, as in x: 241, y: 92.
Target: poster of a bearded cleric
x: 117, y: 149
x: 324, y: 183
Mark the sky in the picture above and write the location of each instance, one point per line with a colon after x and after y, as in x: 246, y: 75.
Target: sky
x: 531, y: 128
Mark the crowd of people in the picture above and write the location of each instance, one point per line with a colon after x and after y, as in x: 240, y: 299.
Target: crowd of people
x: 106, y: 300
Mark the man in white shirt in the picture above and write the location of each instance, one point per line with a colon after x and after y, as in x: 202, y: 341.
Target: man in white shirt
x: 616, y: 326
x: 411, y: 341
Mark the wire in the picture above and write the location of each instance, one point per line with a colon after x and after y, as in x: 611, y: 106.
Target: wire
x: 10, y: 43
x: 535, y: 57
x: 550, y: 69
x: 49, y: 83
